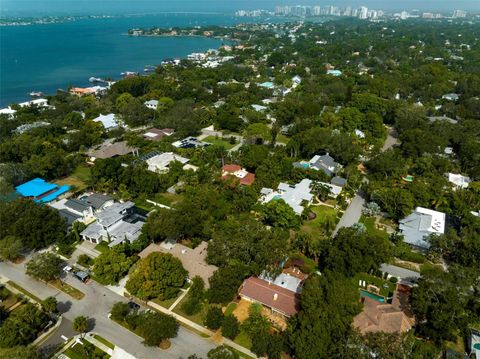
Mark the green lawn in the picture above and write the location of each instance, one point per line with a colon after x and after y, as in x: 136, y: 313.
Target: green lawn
x: 197, y: 318
x: 24, y: 291
x: 282, y: 138
x: 168, y: 302
x: 324, y: 214
x: 230, y: 308
x: 220, y: 142
x: 78, y: 179
x: 244, y: 340
x: 68, y: 289
x: 85, y: 351
x: 104, y: 341
x: 369, y: 223
x: 379, y: 282
x: 102, y: 247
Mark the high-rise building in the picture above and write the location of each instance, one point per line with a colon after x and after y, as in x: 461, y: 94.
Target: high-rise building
x: 459, y: 13
x: 404, y: 15
x: 348, y: 11
x: 363, y: 12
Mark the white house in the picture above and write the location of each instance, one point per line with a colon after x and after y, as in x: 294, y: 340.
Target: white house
x: 296, y: 80
x: 109, y: 122
x: 293, y: 195
x: 152, y: 104
x: 39, y: 102
x: 458, y: 180
x: 8, y: 111
x: 160, y: 163
x: 420, y: 224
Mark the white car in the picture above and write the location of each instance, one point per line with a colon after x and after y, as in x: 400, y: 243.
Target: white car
x: 67, y: 269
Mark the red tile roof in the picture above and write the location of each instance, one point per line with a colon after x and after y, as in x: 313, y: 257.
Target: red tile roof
x: 271, y: 295
x: 231, y: 168
x: 248, y: 179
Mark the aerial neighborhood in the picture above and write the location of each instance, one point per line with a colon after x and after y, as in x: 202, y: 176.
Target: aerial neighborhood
x: 307, y: 190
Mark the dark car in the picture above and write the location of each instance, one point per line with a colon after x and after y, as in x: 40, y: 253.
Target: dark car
x: 133, y: 306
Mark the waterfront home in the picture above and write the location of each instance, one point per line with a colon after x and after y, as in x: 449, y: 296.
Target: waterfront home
x: 109, y: 122
x: 241, y: 174
x: 422, y: 223
x: 8, y: 111
x: 41, y: 191
x: 39, y: 102
x: 115, y: 224
x: 160, y: 163
x: 152, y: 104
x: 294, y: 195
x: 81, y: 91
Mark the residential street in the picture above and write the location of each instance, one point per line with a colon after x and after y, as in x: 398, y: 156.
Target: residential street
x: 354, y: 211
x: 96, y: 305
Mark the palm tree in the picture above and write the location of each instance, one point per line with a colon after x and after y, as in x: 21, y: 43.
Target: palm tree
x: 80, y: 324
x: 322, y: 190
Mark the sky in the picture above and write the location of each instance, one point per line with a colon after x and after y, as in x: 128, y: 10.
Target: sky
x: 115, y: 7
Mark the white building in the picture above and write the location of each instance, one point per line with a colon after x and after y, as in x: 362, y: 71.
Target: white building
x: 160, y: 163
x: 152, y: 104
x: 293, y: 195
x: 8, y: 111
x: 39, y: 102
x: 420, y: 224
x: 109, y: 122
x: 458, y: 180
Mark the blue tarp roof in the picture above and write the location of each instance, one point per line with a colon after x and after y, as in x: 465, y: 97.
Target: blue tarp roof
x: 38, y: 186
x: 35, y: 187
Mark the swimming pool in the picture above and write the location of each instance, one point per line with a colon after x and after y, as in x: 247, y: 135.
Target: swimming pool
x: 365, y: 293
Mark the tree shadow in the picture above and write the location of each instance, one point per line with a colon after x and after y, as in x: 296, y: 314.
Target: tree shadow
x: 64, y: 307
x: 91, y: 324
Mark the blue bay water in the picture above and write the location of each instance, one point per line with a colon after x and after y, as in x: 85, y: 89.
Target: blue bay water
x: 48, y: 57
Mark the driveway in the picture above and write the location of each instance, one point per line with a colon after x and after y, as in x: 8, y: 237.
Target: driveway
x: 353, y: 213
x: 96, y: 305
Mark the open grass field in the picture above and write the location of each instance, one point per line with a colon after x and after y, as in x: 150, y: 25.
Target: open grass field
x: 324, y: 214
x: 219, y: 142
x: 78, y: 179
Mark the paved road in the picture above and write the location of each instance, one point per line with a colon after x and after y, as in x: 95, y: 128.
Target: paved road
x: 96, y: 305
x: 354, y: 211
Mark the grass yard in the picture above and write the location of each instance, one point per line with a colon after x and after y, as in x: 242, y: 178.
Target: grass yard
x: 102, y: 247
x: 244, y: 340
x: 104, y: 341
x: 198, y: 317
x: 378, y: 282
x: 85, y: 351
x: 369, y: 223
x: 143, y: 204
x: 220, y: 142
x: 326, y: 217
x: 24, y: 291
x: 168, y: 302
x: 78, y: 179
x: 68, y: 289
x: 230, y: 308
x: 282, y: 138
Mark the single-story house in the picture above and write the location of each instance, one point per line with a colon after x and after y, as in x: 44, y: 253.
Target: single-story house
x: 293, y: 195
x: 420, y: 224
x: 279, y: 300
x: 152, y: 104
x: 108, y: 150
x: 334, y: 72
x: 458, y: 180
x: 442, y: 119
x: 190, y: 142
x: 155, y: 134
x: 245, y: 178
x: 39, y: 102
x: 115, y: 224
x: 160, y: 163
x: 377, y: 316
x: 82, y: 91
x: 259, y: 108
x: 193, y: 260
x: 325, y: 163
x: 41, y: 191
x: 8, y: 111
x: 451, y: 97
x: 109, y: 122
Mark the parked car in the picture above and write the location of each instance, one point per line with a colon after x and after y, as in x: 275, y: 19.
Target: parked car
x: 133, y: 305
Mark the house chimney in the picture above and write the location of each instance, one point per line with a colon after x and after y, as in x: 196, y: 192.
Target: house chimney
x: 275, y: 296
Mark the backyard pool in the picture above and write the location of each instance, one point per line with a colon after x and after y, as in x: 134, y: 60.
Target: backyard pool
x: 365, y: 293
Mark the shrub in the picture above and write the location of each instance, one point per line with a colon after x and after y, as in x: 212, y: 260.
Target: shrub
x: 230, y: 327
x: 214, y: 318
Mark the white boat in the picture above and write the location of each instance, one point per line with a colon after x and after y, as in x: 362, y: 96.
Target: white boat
x: 95, y: 79
x: 129, y: 73
x: 36, y: 94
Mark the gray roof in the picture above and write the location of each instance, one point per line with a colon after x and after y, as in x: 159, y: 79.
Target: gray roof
x: 97, y: 200
x: 406, y: 276
x: 442, y: 118
x: 413, y: 230
x: 77, y: 205
x: 325, y: 163
x: 338, y: 181
x: 69, y: 216
x: 94, y: 230
x: 114, y: 213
